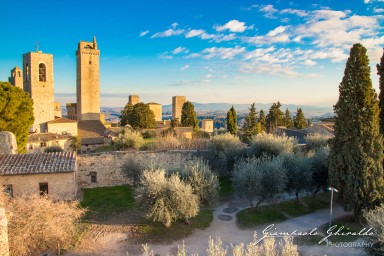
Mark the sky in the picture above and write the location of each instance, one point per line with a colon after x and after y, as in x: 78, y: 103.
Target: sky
x: 228, y: 51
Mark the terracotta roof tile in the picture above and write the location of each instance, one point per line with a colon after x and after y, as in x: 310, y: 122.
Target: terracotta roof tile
x: 58, y: 162
x: 45, y: 137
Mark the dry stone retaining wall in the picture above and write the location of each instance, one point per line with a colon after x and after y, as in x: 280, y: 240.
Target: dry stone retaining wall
x: 107, y: 166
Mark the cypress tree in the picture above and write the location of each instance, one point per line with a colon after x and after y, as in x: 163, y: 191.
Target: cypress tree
x: 232, y: 121
x: 262, y: 121
x: 251, y: 126
x: 355, y: 160
x: 188, y: 116
x: 380, y: 72
x: 274, y: 117
x: 287, y: 119
x: 299, y: 121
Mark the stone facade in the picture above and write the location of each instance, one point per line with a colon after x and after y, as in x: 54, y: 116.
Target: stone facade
x: 4, y: 246
x: 37, y: 143
x: 59, y: 184
x: 39, y: 83
x: 57, y: 109
x: 71, y: 111
x: 207, y: 125
x: 157, y: 111
x: 105, y: 168
x: 177, y: 105
x: 8, y: 143
x: 63, y: 126
x: 16, y: 78
x: 88, y: 81
x: 133, y: 99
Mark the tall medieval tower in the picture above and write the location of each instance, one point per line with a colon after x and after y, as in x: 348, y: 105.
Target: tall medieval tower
x: 177, y: 105
x: 38, y: 82
x: 16, y: 78
x: 88, y: 81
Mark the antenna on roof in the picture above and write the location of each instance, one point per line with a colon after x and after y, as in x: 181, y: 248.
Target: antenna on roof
x: 37, y: 46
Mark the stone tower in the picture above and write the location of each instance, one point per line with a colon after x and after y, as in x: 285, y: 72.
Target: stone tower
x: 88, y: 81
x: 38, y: 82
x: 156, y: 109
x: 16, y: 78
x: 133, y: 99
x: 177, y: 105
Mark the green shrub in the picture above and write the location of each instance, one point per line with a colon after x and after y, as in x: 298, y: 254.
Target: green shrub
x: 129, y: 139
x: 375, y: 220
x: 316, y: 141
x: 133, y: 170
x: 271, y: 145
x: 167, y: 142
x: 166, y: 199
x: 262, y: 178
x: 223, y: 151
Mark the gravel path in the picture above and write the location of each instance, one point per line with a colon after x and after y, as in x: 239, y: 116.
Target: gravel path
x: 224, y: 226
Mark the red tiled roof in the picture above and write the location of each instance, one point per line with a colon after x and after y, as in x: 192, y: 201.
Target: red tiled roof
x: 58, y: 162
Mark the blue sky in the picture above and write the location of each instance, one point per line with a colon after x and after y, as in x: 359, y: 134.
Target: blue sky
x: 210, y: 51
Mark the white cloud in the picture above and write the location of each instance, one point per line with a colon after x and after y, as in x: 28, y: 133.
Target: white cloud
x: 180, y: 50
x: 185, y: 67
x: 276, y: 31
x: 378, y: 10
x: 272, y: 69
x: 168, y: 33
x: 209, y: 76
x: 143, y: 33
x: 300, y: 13
x: 258, y: 53
x: 309, y: 62
x: 194, y: 32
x: 269, y: 11
x: 222, y: 52
x: 174, y: 25
x: 277, y: 35
x: 233, y: 26
x: 193, y: 56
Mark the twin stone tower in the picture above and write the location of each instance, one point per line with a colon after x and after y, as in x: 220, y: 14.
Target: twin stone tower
x: 38, y: 80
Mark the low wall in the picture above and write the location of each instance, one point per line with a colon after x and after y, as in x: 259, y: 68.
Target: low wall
x: 107, y: 166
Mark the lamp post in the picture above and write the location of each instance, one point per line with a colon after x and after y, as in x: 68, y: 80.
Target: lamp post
x: 330, y: 215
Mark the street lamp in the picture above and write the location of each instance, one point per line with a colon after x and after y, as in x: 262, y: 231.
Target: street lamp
x: 330, y: 215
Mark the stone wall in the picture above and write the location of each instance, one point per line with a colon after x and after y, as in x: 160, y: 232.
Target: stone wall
x: 60, y: 184
x: 8, y: 143
x: 4, y: 247
x: 107, y: 166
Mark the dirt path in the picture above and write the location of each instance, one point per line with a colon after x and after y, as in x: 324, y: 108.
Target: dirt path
x: 223, y: 225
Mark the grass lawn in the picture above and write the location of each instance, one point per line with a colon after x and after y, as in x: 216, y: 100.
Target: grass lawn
x: 107, y: 201
x: 248, y: 218
x: 226, y: 188
x: 156, y: 232
x: 104, y: 203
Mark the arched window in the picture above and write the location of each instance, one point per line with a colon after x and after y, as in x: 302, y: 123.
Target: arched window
x: 42, y: 72
x: 18, y: 73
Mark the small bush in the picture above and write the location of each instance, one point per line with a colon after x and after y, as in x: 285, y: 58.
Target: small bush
x: 148, y: 135
x: 52, y: 149
x: 166, y: 199
x: 222, y: 153
x: 197, y: 143
x: 262, y: 178
x: 37, y: 224
x: 129, y: 139
x: 133, y: 170
x: 204, y: 183
x: 167, y: 142
x: 264, y: 143
x: 375, y: 219
x: 316, y: 141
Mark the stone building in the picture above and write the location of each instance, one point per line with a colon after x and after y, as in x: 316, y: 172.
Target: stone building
x: 50, y: 173
x: 38, y: 142
x: 16, y: 78
x: 133, y: 99
x: 57, y: 109
x: 157, y: 111
x: 63, y: 126
x: 177, y: 105
x: 39, y: 83
x: 92, y: 134
x: 207, y: 125
x: 71, y: 111
x: 88, y: 81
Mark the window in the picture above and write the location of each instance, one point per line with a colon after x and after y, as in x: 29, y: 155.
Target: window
x: 27, y: 71
x: 93, y: 177
x: 9, y: 190
x: 18, y: 73
x: 43, y: 188
x: 90, y: 62
x: 43, y: 144
x: 42, y: 72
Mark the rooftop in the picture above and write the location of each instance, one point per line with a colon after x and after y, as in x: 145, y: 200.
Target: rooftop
x: 45, y: 137
x: 58, y: 162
